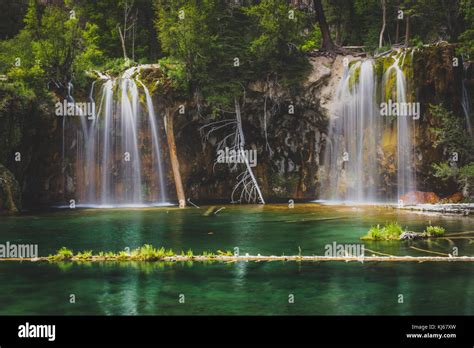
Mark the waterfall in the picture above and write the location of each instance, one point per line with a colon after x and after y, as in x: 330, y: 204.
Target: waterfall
x: 405, y: 131
x: 351, y: 156
x: 352, y: 170
x: 465, y: 101
x: 121, y: 163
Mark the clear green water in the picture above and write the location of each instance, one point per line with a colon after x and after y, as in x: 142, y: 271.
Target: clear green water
x: 237, y: 288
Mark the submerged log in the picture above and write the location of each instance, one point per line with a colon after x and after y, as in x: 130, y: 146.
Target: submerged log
x: 260, y: 258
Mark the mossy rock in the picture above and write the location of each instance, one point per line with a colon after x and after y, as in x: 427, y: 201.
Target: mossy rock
x: 10, y: 195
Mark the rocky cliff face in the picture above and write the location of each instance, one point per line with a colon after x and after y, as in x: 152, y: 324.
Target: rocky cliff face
x: 287, y: 128
x: 10, y: 194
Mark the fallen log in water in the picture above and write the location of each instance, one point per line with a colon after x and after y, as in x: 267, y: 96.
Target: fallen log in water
x: 259, y: 258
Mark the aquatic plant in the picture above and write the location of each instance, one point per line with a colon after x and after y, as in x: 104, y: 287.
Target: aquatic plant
x: 147, y: 253
x: 62, y: 254
x: 375, y: 233
x: 122, y: 255
x: 391, y: 231
x: 110, y: 255
x: 208, y: 254
x: 434, y: 231
x: 225, y: 253
x: 85, y: 255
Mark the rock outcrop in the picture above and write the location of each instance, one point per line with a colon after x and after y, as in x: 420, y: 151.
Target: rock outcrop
x: 10, y: 194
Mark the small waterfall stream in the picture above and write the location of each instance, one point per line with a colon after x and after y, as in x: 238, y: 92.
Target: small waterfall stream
x: 466, y: 102
x: 405, y: 129
x: 121, y: 160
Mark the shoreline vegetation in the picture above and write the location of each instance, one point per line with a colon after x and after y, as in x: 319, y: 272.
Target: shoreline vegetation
x: 147, y: 253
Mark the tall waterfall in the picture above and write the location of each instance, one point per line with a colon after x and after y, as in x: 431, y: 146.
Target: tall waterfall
x: 405, y: 129
x: 119, y: 158
x: 355, y: 165
x: 353, y: 133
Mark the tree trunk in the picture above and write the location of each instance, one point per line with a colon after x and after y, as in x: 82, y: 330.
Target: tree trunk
x: 174, y: 158
x: 122, y: 41
x: 241, y: 148
x: 328, y: 44
x: 397, y: 31
x: 338, y: 34
x: 407, y: 31
x: 384, y: 11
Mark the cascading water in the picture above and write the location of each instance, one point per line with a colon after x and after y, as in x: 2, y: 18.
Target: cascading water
x: 405, y: 129
x: 351, y: 155
x: 352, y: 169
x: 121, y: 163
x: 466, y: 102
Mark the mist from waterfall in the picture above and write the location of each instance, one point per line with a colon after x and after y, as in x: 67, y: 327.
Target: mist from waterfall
x: 119, y: 157
x: 352, y: 168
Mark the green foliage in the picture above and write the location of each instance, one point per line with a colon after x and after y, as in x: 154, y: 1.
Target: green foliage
x: 463, y: 176
x: 224, y: 253
x: 110, y: 255
x: 141, y: 42
x: 374, y: 233
x: 53, y: 46
x: 313, y: 40
x: 146, y: 252
x: 149, y: 253
x: 175, y: 70
x: 60, y: 44
x: 62, y: 254
x: 85, y: 255
x: 434, y: 231
x: 391, y: 231
x: 466, y: 174
x: 445, y: 171
x: 116, y: 66
x: 275, y: 39
x: 208, y: 254
x: 467, y: 36
x: 223, y: 47
x: 122, y: 255
x: 416, y: 41
x: 451, y: 136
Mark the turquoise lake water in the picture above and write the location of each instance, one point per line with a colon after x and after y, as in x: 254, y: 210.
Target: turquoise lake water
x: 244, y: 288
